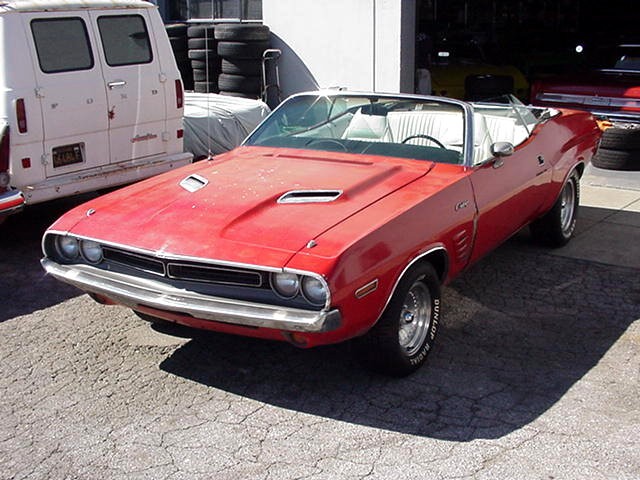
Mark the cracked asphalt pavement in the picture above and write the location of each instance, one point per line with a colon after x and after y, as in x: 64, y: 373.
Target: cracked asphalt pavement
x: 536, y: 375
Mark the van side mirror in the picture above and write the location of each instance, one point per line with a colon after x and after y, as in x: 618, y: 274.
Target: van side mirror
x: 502, y: 149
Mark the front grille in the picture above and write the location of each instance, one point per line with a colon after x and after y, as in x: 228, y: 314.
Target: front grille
x: 213, y: 274
x: 140, y: 262
x: 186, y: 271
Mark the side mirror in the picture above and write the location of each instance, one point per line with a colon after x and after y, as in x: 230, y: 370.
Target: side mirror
x: 502, y: 149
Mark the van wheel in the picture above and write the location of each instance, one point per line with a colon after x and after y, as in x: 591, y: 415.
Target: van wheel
x: 557, y: 226
x: 405, y: 334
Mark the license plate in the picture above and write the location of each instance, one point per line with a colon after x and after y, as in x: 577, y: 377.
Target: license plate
x: 67, y: 155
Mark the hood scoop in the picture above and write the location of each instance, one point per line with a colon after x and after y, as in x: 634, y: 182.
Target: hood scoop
x: 310, y: 196
x: 193, y: 183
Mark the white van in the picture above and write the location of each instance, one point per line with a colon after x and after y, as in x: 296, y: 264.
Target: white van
x: 90, y: 97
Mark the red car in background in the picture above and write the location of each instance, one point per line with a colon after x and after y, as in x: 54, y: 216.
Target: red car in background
x: 338, y: 218
x: 612, y: 95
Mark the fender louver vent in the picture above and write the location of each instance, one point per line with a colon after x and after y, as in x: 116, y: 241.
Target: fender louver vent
x: 310, y: 196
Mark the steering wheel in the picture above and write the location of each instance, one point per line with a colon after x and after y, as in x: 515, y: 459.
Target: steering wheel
x: 327, y: 141
x: 428, y: 137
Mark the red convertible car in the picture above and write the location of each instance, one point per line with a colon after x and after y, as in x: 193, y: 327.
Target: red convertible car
x: 340, y: 217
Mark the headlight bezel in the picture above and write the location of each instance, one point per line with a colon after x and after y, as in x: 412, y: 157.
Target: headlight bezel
x: 85, y: 245
x: 305, y: 287
x: 63, y: 251
x: 273, y: 280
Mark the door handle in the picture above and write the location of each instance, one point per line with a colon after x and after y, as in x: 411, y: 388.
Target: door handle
x: 116, y: 84
x: 540, y: 160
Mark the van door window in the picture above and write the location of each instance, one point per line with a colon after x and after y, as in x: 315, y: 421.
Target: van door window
x: 125, y: 40
x: 62, y: 45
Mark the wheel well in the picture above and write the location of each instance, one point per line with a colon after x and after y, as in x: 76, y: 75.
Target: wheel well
x: 440, y: 262
x: 580, y: 169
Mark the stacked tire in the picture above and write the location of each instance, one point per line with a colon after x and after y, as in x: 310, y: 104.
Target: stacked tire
x: 203, y: 55
x: 619, y: 149
x: 241, y: 47
x: 177, y: 33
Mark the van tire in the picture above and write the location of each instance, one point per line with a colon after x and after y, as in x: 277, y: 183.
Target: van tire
x: 239, y: 83
x: 242, y: 50
x: 237, y: 66
x: 239, y: 32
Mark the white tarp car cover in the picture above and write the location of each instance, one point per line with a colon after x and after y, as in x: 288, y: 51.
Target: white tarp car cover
x: 219, y: 123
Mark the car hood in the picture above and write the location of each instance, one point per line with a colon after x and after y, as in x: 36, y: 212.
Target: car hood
x: 252, y: 205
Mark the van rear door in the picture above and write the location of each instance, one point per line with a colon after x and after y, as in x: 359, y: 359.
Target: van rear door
x: 70, y: 87
x: 135, y: 85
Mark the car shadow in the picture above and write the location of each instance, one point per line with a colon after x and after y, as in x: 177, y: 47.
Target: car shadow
x: 520, y: 328
x: 24, y: 286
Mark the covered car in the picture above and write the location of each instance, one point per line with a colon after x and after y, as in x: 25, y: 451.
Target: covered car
x: 339, y: 218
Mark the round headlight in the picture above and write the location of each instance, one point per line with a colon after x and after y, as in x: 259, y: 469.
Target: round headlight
x: 91, y: 251
x: 286, y: 285
x: 67, y: 247
x: 314, y: 290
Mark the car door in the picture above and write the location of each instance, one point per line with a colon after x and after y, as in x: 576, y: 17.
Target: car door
x: 509, y: 193
x: 70, y: 89
x: 134, y: 84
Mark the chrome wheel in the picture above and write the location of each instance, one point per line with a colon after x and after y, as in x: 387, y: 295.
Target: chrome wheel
x: 415, y: 317
x: 567, y: 206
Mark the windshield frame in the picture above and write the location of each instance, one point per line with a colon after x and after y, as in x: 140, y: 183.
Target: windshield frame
x: 332, y: 95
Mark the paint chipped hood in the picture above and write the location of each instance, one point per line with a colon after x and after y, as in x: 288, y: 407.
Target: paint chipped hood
x: 253, y: 205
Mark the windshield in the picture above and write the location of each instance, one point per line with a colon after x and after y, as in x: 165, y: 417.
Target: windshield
x: 418, y: 129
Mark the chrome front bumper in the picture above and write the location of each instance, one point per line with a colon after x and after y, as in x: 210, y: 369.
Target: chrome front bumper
x: 11, y: 201
x: 132, y: 291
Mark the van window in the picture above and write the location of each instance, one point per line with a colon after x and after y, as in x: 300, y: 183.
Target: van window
x: 62, y: 44
x: 125, y: 40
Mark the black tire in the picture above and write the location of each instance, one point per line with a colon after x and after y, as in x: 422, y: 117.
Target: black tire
x: 213, y: 65
x: 203, y: 55
x: 202, y: 44
x: 251, y: 96
x: 241, y: 32
x: 201, y: 31
x: 242, y: 50
x: 176, y: 29
x: 394, y: 346
x: 178, y: 43
x: 239, y: 83
x: 557, y: 226
x: 236, y: 66
x: 205, y: 87
x: 620, y: 139
x: 616, y: 159
x: 201, y: 75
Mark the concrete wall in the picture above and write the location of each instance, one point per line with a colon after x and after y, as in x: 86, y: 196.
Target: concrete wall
x: 356, y: 44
